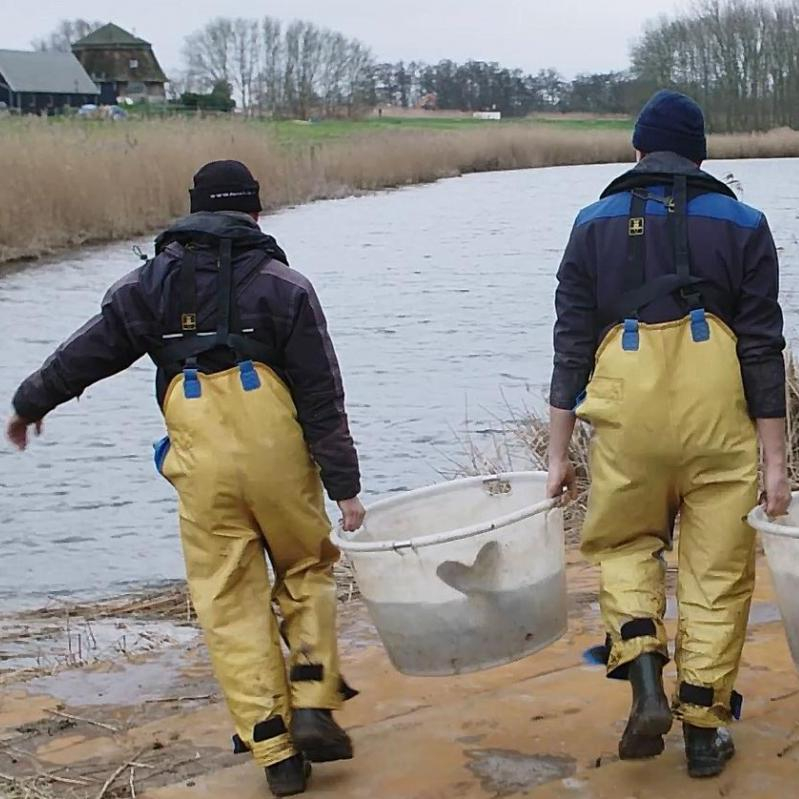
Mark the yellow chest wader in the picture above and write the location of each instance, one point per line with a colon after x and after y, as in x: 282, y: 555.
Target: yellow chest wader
x: 248, y: 488
x: 671, y: 436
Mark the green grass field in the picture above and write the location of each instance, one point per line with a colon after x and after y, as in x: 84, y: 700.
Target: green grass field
x: 290, y: 131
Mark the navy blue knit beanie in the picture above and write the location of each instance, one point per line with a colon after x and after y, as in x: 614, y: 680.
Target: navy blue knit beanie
x: 673, y: 122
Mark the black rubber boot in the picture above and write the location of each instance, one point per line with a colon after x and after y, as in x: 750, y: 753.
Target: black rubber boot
x: 650, y: 717
x: 707, y: 750
x: 289, y: 777
x: 317, y: 735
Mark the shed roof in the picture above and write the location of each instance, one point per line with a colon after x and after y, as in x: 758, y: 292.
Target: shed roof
x: 109, y: 35
x: 46, y: 72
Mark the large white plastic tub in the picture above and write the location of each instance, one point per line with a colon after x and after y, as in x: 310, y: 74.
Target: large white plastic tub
x: 781, y: 542
x: 465, y: 575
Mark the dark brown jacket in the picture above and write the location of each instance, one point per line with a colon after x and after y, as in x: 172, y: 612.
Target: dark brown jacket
x: 276, y: 302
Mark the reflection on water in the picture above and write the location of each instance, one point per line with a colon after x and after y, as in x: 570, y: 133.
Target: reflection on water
x: 440, y: 302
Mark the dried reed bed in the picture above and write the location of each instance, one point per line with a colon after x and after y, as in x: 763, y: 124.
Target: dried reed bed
x: 780, y: 143
x: 71, y: 183
x: 65, y: 184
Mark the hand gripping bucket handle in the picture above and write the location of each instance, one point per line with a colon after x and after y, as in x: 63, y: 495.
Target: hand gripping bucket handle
x: 761, y: 522
x: 346, y: 545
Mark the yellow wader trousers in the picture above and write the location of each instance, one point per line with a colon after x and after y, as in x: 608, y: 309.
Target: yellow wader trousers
x: 249, y: 489
x: 672, y: 436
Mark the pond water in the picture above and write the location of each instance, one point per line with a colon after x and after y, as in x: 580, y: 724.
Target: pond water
x: 440, y: 303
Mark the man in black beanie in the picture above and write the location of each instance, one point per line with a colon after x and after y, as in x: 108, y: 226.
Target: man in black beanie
x: 669, y: 343
x: 226, y: 186
x: 253, y: 400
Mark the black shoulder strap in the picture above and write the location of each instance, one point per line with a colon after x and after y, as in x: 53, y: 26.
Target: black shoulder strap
x: 635, y: 272
x: 224, y: 290
x: 187, y: 348
x: 188, y: 293
x: 679, y: 232
x: 638, y: 292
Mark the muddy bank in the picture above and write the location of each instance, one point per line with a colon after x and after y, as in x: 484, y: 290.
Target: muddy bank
x: 153, y: 725
x: 64, y: 636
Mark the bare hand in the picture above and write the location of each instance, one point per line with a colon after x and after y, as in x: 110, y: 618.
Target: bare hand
x: 353, y: 514
x: 17, y: 431
x: 562, y: 480
x: 776, y: 497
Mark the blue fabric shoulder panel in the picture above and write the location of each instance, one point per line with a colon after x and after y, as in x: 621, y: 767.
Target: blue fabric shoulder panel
x: 710, y: 206
x: 718, y: 206
x: 613, y: 206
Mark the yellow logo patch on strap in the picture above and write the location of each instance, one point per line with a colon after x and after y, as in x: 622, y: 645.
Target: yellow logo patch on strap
x: 188, y: 321
x: 637, y: 226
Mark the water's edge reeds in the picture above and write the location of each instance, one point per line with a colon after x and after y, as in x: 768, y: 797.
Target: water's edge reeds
x: 522, y: 442
x: 68, y: 184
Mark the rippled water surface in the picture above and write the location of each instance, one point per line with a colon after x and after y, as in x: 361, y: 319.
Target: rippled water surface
x: 440, y: 303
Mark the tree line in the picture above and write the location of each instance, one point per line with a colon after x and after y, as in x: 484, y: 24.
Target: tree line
x: 486, y: 86
x: 301, y: 70
x: 739, y: 58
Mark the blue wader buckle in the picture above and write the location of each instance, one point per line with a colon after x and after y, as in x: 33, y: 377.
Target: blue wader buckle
x: 249, y: 377
x: 700, y: 329
x: 191, y: 384
x: 630, y: 340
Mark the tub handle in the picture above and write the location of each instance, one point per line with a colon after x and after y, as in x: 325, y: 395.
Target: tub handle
x: 346, y: 545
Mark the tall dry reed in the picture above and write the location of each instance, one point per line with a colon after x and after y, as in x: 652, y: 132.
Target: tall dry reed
x: 64, y: 184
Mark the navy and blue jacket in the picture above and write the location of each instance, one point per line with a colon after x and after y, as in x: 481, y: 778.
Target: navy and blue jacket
x: 732, y: 254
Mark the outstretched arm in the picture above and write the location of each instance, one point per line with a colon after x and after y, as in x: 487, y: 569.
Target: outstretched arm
x: 105, y: 345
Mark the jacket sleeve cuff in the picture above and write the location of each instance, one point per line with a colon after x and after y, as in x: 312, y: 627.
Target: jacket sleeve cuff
x: 764, y: 386
x: 27, y: 410
x: 340, y: 492
x: 567, y: 385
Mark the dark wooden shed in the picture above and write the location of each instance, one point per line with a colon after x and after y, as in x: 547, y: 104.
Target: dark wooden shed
x: 122, y: 65
x: 35, y: 83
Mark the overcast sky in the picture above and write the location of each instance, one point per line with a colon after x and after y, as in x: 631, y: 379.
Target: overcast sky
x: 570, y: 35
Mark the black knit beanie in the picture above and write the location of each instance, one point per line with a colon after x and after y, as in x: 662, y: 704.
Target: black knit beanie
x: 225, y: 186
x: 673, y: 122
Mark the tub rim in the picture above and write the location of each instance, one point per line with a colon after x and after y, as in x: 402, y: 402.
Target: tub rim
x: 345, y: 544
x: 757, y: 518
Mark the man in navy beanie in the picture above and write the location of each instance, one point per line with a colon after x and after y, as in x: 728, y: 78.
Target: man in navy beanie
x: 668, y: 342
x: 672, y: 122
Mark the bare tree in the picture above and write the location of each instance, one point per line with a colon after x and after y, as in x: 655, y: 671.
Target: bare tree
x: 298, y: 71
x: 270, y: 78
x: 209, y: 53
x: 246, y: 59
x: 66, y: 33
